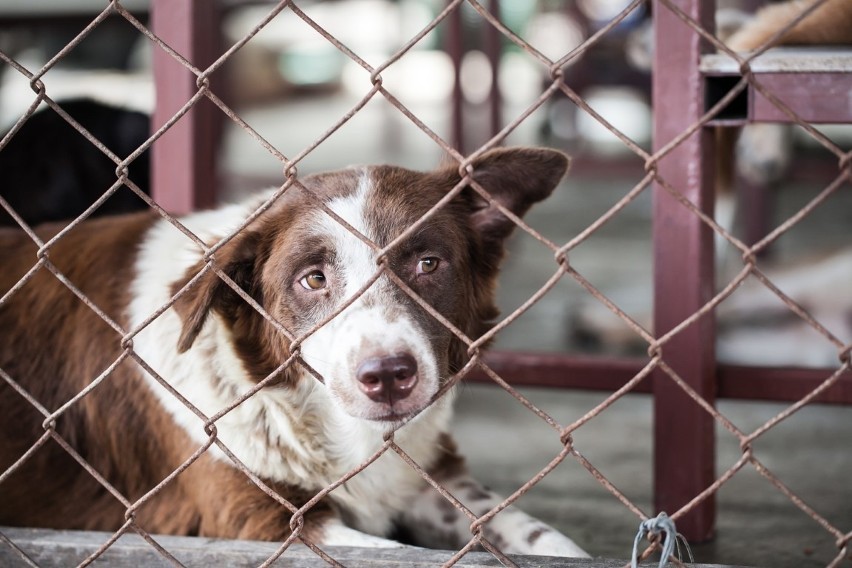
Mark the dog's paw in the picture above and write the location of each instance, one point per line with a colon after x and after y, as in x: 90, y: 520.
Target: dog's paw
x: 515, y: 532
x: 545, y: 541
x: 337, y: 534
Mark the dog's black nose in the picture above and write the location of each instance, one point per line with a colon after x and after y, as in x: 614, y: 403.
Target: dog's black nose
x: 388, y: 379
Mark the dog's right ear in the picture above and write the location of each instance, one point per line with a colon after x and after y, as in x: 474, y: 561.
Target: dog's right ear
x: 238, y: 260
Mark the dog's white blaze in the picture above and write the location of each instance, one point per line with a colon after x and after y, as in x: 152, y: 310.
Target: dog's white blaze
x: 302, y: 436
x: 371, y: 326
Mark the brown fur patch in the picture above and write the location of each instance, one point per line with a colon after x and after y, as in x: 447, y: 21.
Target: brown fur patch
x: 828, y: 24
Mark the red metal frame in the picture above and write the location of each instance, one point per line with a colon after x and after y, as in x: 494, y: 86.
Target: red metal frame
x: 492, y: 47
x: 737, y: 382
x: 684, y: 434
x: 455, y: 49
x: 814, y: 98
x: 183, y: 160
x: 814, y: 82
x: 492, y: 43
x: 184, y: 179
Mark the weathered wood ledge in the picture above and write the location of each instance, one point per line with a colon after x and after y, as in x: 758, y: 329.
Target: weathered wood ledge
x: 48, y: 549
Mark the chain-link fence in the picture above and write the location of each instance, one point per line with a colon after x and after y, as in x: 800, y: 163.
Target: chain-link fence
x: 681, y: 359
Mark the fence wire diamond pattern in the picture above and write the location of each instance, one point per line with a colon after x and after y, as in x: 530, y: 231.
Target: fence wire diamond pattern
x: 562, y: 268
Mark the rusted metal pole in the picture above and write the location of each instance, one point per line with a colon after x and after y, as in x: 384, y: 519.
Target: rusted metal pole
x: 454, y: 46
x: 492, y: 43
x: 684, y: 437
x: 607, y: 374
x: 184, y: 158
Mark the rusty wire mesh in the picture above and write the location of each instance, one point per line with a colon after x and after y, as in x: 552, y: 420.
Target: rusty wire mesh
x: 562, y: 268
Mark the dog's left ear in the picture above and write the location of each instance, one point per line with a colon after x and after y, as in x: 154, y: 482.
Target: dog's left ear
x: 237, y: 259
x: 516, y: 178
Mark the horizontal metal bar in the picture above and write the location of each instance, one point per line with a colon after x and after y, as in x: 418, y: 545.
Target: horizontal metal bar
x: 783, y: 60
x: 787, y: 384
x: 824, y: 98
x: 563, y: 371
x: 609, y: 374
x: 815, y: 83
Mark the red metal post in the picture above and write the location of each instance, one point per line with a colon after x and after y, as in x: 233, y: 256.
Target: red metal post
x: 784, y: 384
x: 492, y: 44
x: 184, y: 158
x: 684, y: 437
x: 455, y: 49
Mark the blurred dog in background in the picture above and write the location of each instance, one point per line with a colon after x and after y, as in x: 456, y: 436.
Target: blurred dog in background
x: 51, y: 172
x: 755, y: 325
x: 760, y: 153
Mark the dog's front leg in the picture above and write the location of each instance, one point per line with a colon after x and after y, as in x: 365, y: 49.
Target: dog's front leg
x: 434, y: 522
x: 333, y: 532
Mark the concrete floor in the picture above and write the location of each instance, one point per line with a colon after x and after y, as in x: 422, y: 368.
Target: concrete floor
x: 506, y: 444
x: 757, y: 525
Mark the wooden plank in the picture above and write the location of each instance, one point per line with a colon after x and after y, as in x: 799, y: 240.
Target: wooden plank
x: 684, y: 435
x: 48, y: 549
x: 183, y: 160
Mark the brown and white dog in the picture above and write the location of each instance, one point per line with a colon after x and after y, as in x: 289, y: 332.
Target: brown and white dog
x: 382, y: 359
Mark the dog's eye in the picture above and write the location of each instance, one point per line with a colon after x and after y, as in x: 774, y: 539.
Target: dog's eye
x: 427, y: 265
x: 313, y: 281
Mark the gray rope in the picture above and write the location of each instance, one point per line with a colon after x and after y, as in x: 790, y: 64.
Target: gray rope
x: 661, y: 524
